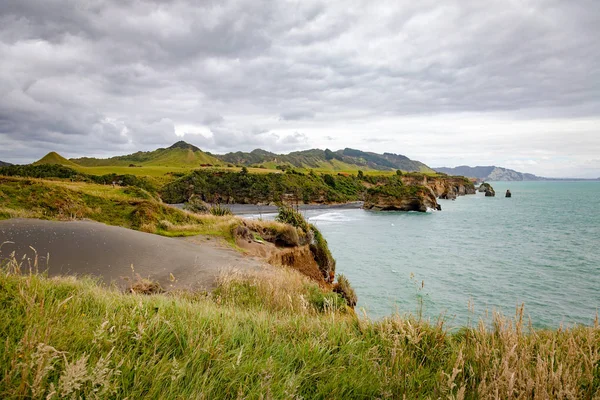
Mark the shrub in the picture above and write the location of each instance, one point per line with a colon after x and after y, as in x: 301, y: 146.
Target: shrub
x: 220, y: 211
x: 145, y: 214
x: 288, y: 215
x: 329, y: 180
x: 195, y: 204
x: 344, y: 288
x: 325, y: 301
x: 322, y: 255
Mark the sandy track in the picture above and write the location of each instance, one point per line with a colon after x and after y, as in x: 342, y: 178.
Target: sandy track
x: 91, y: 248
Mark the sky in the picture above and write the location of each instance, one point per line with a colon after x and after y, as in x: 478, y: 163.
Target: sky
x: 513, y: 83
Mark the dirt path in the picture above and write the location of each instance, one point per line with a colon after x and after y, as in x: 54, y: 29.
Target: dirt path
x: 91, y: 248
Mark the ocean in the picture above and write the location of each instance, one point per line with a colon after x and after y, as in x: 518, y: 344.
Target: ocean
x: 540, y: 248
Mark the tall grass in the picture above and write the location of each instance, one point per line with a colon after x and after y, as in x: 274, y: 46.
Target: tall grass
x: 258, y: 338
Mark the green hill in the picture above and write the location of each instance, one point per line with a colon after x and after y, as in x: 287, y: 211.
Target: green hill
x: 55, y: 158
x: 347, y: 159
x: 185, y: 155
x: 181, y: 154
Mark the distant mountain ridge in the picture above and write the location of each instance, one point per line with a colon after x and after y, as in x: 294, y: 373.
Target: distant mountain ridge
x: 182, y: 154
x: 490, y: 173
x: 4, y: 164
x: 345, y: 159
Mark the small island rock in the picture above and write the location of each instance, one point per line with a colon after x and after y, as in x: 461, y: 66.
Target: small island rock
x: 487, y: 189
x: 508, y: 193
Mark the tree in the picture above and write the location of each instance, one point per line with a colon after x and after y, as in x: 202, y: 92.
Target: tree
x: 329, y: 180
x: 244, y: 171
x: 360, y: 174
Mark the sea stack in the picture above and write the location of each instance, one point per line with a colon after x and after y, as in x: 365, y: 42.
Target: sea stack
x: 508, y: 193
x: 488, y: 189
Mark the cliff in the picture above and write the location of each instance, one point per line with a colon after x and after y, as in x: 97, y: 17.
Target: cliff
x: 400, y: 197
x: 443, y: 187
x: 416, y: 192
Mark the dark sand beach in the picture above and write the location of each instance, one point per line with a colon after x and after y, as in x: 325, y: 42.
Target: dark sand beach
x: 91, y: 248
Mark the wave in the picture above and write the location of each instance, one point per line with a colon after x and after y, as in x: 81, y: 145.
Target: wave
x: 331, y: 217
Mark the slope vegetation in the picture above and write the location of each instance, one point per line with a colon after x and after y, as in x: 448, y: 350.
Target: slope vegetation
x: 346, y: 159
x: 180, y: 154
x: 264, y: 338
x: 54, y: 158
x: 4, y: 164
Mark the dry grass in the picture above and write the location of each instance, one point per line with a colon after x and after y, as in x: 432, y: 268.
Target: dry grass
x: 145, y: 286
x: 7, y: 213
x: 282, y: 290
x: 261, y: 337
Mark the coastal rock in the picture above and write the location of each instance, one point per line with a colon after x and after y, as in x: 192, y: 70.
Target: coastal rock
x: 445, y: 187
x: 416, y: 199
x: 508, y: 193
x: 487, y: 189
x: 449, y: 194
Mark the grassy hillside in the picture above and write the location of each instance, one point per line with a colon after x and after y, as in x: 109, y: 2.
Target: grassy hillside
x: 129, y: 207
x: 54, y: 158
x: 179, y: 155
x: 324, y: 160
x: 264, y: 338
x: 181, y: 158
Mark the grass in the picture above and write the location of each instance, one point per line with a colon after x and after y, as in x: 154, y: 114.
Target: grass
x: 129, y: 207
x: 265, y: 338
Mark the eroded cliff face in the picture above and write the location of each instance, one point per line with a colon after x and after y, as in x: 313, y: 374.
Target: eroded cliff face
x: 418, y: 193
x: 450, y: 187
x: 284, y: 245
x: 420, y: 199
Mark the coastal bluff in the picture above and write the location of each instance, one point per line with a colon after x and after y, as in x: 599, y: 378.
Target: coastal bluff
x: 414, y: 193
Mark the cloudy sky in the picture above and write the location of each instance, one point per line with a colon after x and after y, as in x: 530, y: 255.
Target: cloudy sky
x: 514, y: 83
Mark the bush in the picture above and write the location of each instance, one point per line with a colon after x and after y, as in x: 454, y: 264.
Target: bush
x: 220, y: 210
x: 195, y: 204
x: 329, y: 180
x: 344, y: 288
x: 325, y: 301
x: 322, y: 255
x: 288, y: 215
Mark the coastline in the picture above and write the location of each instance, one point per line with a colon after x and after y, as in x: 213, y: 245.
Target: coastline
x: 245, y: 209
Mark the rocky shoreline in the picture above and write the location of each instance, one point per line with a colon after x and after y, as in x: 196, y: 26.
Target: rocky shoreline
x: 418, y: 194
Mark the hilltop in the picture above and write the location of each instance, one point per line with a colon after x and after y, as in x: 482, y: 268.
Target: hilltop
x: 4, y: 164
x: 490, y: 173
x: 346, y: 159
x: 55, y: 158
x: 180, y: 154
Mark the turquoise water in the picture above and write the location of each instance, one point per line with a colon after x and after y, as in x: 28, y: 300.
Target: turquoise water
x: 541, y: 247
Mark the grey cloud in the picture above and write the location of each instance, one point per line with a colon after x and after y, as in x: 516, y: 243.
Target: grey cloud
x: 212, y: 119
x: 295, y: 115
x: 123, y: 76
x: 225, y: 139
